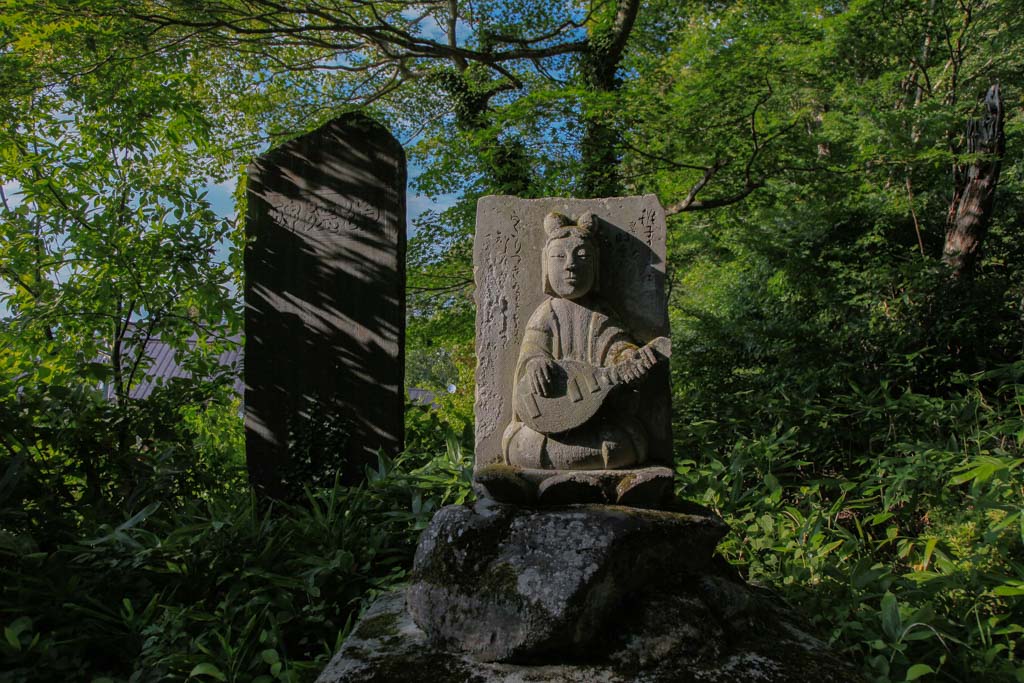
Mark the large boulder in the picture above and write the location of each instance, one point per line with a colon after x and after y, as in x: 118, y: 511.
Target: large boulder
x: 509, y: 584
x: 718, y: 631
x: 581, y: 594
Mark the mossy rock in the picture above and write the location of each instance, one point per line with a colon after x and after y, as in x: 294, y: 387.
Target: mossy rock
x: 512, y: 584
x: 581, y: 593
x: 690, y: 645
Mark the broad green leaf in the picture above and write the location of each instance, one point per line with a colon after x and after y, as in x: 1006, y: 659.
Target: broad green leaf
x: 917, y: 670
x: 207, y: 669
x: 891, y: 622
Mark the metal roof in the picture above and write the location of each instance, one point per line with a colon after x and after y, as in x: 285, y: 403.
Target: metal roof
x: 163, y: 366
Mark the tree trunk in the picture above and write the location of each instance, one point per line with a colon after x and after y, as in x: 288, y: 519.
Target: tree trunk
x: 599, y: 146
x: 974, y: 189
x: 602, y: 139
x: 505, y: 161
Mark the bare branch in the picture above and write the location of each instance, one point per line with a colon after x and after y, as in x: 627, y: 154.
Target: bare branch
x: 323, y: 28
x: 691, y: 196
x: 664, y: 160
x: 444, y: 288
x: 716, y: 203
x: 16, y: 279
x: 758, y: 143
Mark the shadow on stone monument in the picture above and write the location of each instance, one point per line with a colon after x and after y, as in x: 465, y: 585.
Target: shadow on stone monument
x: 325, y: 306
x: 578, y: 563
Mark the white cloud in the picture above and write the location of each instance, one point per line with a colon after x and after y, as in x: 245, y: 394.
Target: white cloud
x: 221, y: 196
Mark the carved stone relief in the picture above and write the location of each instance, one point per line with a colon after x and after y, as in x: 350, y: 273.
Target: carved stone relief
x: 572, y: 325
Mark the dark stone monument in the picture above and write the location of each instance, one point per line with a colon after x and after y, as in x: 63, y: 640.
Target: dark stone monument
x: 325, y: 305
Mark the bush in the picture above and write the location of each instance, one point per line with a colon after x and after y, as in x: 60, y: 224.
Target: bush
x: 907, y: 553
x: 215, y: 589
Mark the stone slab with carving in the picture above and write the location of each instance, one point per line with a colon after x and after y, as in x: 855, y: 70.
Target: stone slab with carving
x: 324, y: 302
x: 572, y: 381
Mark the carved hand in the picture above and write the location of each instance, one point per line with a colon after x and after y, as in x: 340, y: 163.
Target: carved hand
x: 637, y: 367
x: 540, y: 371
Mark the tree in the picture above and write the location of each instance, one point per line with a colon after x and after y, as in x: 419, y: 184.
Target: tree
x: 970, y: 211
x: 107, y: 242
x: 707, y: 106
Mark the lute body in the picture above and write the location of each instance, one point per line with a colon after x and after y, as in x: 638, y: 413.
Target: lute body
x: 576, y: 392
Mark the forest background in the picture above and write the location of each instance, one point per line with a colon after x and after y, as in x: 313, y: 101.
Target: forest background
x: 847, y: 395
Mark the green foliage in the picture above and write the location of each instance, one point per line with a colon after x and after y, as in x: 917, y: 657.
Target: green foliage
x: 854, y: 413
x: 428, y: 434
x: 107, y: 242
x: 908, y: 557
x: 315, y: 451
x: 214, y: 589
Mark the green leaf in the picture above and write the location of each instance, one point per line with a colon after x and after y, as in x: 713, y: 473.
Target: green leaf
x: 17, y: 627
x: 12, y: 638
x: 918, y: 670
x: 926, y: 557
x: 207, y: 669
x: 892, y: 624
x: 880, y: 518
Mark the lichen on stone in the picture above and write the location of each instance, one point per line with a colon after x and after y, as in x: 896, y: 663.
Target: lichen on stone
x: 585, y: 593
x: 378, y: 627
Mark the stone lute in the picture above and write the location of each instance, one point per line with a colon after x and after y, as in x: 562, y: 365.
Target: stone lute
x: 577, y: 391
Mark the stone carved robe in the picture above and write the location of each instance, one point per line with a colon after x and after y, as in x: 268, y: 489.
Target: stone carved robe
x: 563, y: 329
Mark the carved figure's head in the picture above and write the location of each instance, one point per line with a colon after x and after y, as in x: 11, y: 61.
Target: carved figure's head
x: 571, y: 256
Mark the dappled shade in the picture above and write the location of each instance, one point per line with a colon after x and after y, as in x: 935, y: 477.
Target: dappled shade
x: 325, y: 301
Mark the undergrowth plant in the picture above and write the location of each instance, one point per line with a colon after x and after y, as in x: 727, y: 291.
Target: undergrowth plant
x: 217, y: 589
x: 910, y: 560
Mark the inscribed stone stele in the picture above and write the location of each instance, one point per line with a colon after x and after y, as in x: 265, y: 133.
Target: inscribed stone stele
x: 325, y: 304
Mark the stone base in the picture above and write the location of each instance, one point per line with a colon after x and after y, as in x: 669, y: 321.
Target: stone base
x: 642, y: 487
x: 580, y: 593
x: 511, y: 584
x: 742, y: 640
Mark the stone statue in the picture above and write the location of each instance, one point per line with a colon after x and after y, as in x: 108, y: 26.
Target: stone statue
x: 575, y: 432
x: 573, y: 407
x: 574, y: 353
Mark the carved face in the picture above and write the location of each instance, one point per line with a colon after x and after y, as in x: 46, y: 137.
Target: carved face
x: 571, y: 263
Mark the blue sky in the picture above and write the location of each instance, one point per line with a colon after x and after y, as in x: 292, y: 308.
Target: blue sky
x: 220, y: 196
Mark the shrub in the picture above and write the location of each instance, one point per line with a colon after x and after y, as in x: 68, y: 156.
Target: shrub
x: 218, y: 588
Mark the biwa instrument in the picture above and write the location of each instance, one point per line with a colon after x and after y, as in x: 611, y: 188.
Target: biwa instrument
x: 577, y: 390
